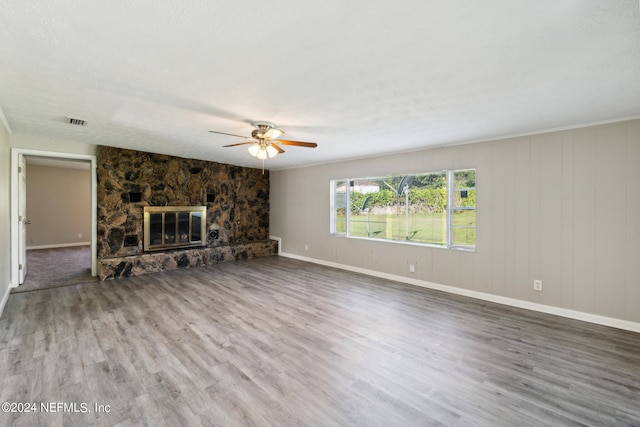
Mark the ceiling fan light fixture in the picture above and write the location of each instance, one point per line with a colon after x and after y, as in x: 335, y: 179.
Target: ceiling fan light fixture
x: 254, y: 150
x: 272, y: 152
x: 262, y: 154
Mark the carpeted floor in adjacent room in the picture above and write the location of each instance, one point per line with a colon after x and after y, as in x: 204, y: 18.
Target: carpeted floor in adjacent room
x: 51, y: 268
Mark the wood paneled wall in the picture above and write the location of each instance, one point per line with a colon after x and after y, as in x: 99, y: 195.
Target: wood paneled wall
x: 561, y: 206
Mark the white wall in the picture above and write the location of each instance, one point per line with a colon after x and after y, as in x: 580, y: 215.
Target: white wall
x: 562, y: 206
x: 41, y: 143
x: 5, y: 220
x: 58, y: 206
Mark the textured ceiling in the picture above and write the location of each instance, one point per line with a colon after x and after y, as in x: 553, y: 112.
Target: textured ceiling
x: 358, y: 77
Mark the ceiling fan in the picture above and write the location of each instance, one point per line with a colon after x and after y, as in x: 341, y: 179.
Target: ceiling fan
x: 265, y: 143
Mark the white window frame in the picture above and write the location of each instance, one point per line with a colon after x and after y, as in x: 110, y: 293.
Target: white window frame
x: 450, y: 208
x: 334, y: 208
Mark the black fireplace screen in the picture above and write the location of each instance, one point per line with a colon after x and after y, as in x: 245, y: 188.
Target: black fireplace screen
x: 174, y: 227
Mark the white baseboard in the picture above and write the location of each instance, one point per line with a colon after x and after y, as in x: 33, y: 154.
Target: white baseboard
x: 59, y: 245
x: 5, y: 298
x: 542, y: 308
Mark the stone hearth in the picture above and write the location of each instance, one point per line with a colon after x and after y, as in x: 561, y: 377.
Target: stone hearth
x: 111, y: 268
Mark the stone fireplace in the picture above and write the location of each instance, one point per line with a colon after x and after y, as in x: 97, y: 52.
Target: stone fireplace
x: 159, y: 213
x: 172, y: 227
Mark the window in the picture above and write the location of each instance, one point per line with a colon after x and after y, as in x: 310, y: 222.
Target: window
x: 436, y: 208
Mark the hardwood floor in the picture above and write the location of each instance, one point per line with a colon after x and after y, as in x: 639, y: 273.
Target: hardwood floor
x: 274, y: 341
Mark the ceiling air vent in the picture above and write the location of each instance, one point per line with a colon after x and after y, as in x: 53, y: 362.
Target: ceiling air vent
x: 77, y: 122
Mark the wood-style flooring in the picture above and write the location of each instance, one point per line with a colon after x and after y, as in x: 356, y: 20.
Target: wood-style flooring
x: 279, y: 342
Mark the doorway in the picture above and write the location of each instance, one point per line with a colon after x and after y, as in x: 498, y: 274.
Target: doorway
x: 45, y: 252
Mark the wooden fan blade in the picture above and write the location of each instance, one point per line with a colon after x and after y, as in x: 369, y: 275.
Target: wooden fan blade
x: 280, y: 150
x: 240, y: 143
x: 230, y: 134
x: 297, y: 143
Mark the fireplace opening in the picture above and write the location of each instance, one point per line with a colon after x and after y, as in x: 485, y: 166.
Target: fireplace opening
x: 168, y: 227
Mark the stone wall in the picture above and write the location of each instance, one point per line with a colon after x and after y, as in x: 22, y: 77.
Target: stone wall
x: 237, y: 201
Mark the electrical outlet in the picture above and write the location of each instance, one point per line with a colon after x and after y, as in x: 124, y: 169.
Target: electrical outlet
x: 79, y: 235
x: 306, y: 247
x: 412, y: 268
x: 537, y: 285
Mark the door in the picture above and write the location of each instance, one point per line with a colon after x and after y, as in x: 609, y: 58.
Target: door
x: 22, y: 221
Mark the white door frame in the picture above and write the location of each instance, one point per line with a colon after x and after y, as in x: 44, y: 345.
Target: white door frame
x: 15, y: 152
x: 22, y: 218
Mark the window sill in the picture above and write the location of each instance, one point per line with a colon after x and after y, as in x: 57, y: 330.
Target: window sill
x: 408, y: 242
